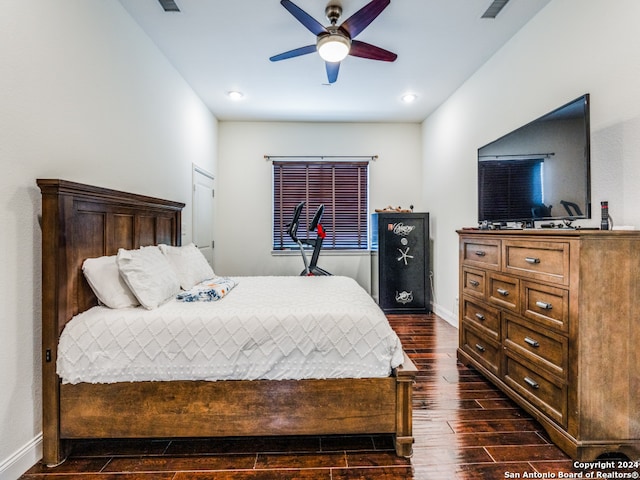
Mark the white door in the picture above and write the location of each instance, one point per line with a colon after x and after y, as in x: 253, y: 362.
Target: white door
x: 203, y: 212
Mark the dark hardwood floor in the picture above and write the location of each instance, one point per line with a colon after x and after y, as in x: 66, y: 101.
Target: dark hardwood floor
x: 464, y: 429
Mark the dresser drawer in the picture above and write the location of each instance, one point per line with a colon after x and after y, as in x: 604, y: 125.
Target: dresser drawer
x: 545, y: 392
x: 481, y: 252
x: 546, y: 305
x: 545, y: 261
x: 504, y: 291
x: 483, y: 350
x: 483, y: 317
x: 474, y: 282
x: 547, y: 349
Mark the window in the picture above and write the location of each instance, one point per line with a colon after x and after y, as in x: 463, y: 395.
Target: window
x: 340, y: 186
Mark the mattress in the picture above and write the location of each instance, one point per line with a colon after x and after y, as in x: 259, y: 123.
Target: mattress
x: 272, y: 328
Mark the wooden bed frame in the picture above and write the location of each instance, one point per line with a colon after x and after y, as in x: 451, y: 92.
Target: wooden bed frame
x: 81, y: 221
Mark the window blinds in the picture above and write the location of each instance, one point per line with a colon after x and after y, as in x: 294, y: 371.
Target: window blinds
x: 341, y: 186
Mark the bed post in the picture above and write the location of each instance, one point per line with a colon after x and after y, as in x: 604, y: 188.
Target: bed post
x: 405, y: 378
x: 55, y: 209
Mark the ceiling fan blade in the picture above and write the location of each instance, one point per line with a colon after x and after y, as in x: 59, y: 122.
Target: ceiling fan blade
x: 332, y: 71
x: 296, y: 52
x: 304, y: 18
x: 360, y: 20
x: 366, y: 50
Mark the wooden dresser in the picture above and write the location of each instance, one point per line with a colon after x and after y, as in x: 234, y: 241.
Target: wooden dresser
x: 552, y: 317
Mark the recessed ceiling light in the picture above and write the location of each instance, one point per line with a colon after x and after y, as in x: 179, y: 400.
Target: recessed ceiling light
x: 409, y: 97
x: 235, y: 95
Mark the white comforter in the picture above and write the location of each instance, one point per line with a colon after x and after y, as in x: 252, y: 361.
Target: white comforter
x: 265, y: 328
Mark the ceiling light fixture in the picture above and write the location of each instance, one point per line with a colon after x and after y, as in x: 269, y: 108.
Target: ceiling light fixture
x: 235, y: 95
x: 333, y: 47
x: 409, y: 97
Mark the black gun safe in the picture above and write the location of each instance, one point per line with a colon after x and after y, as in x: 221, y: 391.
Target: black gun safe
x: 400, y: 267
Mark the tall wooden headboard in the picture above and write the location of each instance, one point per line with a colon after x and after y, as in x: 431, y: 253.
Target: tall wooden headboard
x: 78, y: 222
x: 82, y: 221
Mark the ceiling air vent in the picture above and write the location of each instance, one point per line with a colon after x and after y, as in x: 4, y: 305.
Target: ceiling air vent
x: 169, y: 5
x: 494, y: 8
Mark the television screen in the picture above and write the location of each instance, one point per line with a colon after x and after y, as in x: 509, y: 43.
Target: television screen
x: 540, y: 171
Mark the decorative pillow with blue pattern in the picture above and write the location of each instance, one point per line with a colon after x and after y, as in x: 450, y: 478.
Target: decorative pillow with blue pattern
x: 208, y: 291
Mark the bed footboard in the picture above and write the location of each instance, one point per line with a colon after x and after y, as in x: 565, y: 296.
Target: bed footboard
x: 241, y: 408
x: 229, y: 408
x: 237, y: 408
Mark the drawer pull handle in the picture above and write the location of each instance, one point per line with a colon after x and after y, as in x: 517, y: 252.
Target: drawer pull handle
x: 531, y: 383
x: 480, y: 253
x: 480, y: 317
x: 544, y: 305
x: 532, y: 260
x: 503, y: 292
x: 474, y: 283
x: 532, y: 342
x: 480, y: 347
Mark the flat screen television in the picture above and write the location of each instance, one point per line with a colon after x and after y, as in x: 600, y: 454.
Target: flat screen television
x: 540, y: 171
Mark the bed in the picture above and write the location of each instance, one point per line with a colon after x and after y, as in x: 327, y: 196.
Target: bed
x: 82, y: 221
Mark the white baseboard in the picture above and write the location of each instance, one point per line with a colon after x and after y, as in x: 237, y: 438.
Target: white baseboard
x: 21, y: 460
x: 447, y: 315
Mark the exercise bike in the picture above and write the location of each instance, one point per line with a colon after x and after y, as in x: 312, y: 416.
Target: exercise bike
x: 310, y: 268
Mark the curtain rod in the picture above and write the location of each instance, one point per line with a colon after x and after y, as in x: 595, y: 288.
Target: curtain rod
x: 343, y: 158
x: 515, y: 156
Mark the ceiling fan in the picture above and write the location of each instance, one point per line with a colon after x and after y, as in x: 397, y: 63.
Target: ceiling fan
x: 335, y: 42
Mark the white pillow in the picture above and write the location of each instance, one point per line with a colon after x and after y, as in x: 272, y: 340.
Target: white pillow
x: 189, y: 263
x: 148, y: 274
x: 104, y: 278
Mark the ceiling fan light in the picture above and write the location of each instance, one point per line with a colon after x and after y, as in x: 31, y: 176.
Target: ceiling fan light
x: 334, y: 47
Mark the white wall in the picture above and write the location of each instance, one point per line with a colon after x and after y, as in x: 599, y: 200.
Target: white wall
x: 85, y: 96
x: 570, y: 48
x: 243, y: 241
